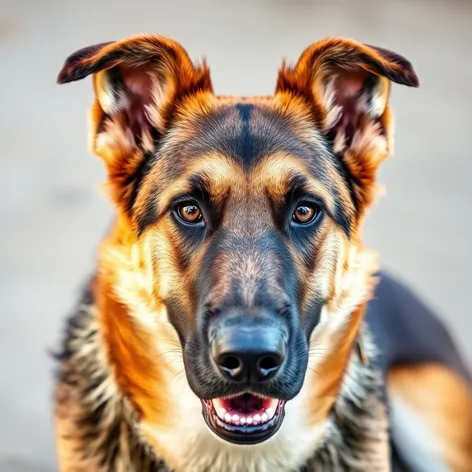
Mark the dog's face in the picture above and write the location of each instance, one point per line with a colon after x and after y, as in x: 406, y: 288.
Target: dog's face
x: 239, y: 223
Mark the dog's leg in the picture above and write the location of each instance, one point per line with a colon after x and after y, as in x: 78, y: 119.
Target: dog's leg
x: 431, y: 418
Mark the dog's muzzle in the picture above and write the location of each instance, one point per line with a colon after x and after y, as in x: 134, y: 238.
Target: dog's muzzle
x: 247, y: 355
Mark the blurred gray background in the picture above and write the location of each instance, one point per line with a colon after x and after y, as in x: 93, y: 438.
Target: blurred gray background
x: 52, y: 212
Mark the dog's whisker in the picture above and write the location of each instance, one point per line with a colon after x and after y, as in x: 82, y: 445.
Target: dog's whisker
x: 168, y: 363
x: 315, y: 372
x: 178, y: 375
x: 170, y: 351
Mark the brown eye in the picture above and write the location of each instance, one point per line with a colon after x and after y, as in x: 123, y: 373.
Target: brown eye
x: 305, y: 214
x: 190, y: 213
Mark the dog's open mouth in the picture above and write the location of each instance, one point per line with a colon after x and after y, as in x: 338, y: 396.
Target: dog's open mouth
x: 245, y: 418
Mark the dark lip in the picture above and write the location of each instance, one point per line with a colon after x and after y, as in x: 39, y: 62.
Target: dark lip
x: 243, y: 435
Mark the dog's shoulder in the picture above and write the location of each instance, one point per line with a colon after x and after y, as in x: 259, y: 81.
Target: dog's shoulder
x: 407, y: 331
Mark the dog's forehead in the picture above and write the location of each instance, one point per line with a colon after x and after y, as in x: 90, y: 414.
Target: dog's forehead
x: 249, y: 130
x: 244, y: 133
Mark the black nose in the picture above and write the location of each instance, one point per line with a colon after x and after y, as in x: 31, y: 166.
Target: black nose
x: 248, y: 354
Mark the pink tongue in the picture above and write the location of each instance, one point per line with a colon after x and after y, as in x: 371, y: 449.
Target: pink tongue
x: 245, y: 403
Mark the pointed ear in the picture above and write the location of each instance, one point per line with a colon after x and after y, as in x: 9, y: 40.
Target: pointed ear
x: 347, y: 85
x: 138, y: 84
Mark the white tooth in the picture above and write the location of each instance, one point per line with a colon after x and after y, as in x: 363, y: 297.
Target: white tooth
x: 235, y: 418
x: 217, y: 403
x: 257, y: 418
x: 227, y: 417
x: 264, y: 417
x: 249, y: 420
x: 273, y: 403
x: 221, y: 412
x: 242, y: 420
x: 270, y: 413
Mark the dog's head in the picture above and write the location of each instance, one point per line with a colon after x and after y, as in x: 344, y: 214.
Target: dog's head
x: 237, y: 242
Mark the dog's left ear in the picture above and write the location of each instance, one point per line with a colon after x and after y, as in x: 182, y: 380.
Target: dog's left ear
x: 347, y: 85
x: 139, y: 83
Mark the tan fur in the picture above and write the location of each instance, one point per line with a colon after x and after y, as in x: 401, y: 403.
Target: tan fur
x: 442, y: 403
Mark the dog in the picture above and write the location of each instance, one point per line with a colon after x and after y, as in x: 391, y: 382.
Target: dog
x: 235, y: 320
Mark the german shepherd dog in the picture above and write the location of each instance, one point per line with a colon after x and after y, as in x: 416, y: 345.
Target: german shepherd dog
x: 235, y: 320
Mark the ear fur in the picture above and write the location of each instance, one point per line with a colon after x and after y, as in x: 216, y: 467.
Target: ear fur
x: 347, y: 86
x: 138, y: 84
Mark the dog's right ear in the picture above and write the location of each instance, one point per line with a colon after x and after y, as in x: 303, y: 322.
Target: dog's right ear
x: 138, y: 84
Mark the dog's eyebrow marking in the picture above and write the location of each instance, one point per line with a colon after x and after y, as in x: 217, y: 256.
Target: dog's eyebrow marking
x: 280, y: 172
x: 208, y: 176
x: 300, y: 184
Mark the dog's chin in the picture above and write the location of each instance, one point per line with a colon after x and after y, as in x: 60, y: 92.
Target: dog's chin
x: 244, y: 419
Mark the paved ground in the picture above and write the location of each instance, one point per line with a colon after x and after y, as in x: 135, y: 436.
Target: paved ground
x: 52, y: 213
